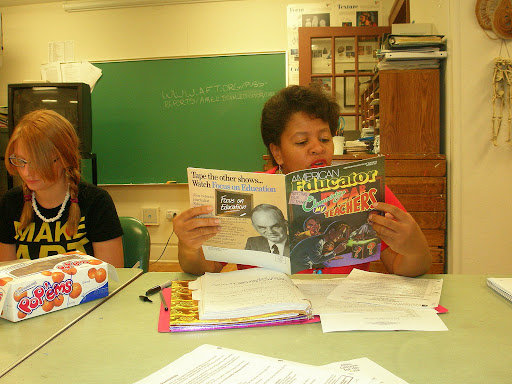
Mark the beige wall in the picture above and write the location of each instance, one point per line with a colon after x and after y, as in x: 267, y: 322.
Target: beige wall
x: 479, y: 233
x: 480, y: 172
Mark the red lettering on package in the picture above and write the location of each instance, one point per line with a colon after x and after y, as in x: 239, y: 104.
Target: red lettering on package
x: 73, y: 263
x: 45, y: 292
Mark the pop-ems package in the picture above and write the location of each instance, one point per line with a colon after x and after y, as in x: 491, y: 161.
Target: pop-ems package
x: 30, y: 288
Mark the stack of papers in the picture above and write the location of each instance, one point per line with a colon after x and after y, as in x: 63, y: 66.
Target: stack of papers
x: 411, y: 52
x: 250, y: 292
x: 184, y: 315
x: 252, y: 297
x: 375, y: 301
x: 356, y: 146
x: 76, y: 72
x: 229, y: 366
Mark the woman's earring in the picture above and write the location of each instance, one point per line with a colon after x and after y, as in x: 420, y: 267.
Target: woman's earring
x: 279, y: 170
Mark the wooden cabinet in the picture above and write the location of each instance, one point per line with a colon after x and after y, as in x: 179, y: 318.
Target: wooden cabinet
x: 403, y: 106
x: 419, y: 182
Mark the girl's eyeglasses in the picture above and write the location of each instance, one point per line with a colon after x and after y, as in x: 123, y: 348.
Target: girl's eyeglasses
x: 20, y: 163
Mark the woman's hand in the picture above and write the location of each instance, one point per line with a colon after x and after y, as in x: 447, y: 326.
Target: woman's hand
x: 192, y: 232
x: 403, y: 235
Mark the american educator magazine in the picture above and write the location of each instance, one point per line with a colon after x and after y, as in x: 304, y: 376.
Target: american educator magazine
x: 312, y: 218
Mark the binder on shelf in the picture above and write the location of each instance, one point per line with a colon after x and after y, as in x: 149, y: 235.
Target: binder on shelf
x: 413, y: 55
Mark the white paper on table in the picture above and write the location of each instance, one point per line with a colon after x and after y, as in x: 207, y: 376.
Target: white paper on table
x: 370, y: 368
x: 317, y: 290
x: 380, y: 288
x: 223, y: 365
x: 333, y: 307
x: 402, y: 319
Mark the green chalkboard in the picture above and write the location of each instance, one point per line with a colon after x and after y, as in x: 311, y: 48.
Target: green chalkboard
x: 154, y: 118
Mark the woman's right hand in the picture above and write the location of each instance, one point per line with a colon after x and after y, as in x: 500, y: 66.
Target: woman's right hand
x: 193, y: 231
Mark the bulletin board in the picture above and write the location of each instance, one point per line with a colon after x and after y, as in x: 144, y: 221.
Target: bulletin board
x: 154, y: 118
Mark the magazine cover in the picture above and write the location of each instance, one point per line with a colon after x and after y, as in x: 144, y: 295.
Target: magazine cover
x: 313, y: 218
x: 328, y: 211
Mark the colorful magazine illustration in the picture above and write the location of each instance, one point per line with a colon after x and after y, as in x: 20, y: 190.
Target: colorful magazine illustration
x: 313, y: 218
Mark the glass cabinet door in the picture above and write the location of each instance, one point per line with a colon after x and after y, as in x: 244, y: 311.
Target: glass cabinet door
x: 342, y: 60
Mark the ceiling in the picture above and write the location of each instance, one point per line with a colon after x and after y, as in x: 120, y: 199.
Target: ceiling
x: 8, y: 3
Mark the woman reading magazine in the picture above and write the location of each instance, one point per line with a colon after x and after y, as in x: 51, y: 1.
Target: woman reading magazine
x: 297, y: 126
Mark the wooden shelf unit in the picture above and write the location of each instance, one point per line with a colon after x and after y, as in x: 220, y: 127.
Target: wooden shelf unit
x: 370, y: 105
x: 408, y: 110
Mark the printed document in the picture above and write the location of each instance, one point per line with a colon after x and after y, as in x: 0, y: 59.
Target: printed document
x: 228, y: 366
x: 384, y: 289
x: 397, y: 319
x: 381, y: 302
x: 369, y: 368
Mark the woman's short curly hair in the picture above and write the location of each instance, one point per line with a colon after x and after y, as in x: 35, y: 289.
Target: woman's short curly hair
x: 312, y: 100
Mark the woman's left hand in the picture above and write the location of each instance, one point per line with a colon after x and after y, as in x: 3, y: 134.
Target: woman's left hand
x: 403, y: 235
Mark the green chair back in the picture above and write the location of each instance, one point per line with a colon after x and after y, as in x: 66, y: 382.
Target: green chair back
x: 136, y: 243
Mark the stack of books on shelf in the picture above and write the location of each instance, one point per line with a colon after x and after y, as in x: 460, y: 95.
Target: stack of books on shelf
x: 358, y: 146
x: 415, y: 51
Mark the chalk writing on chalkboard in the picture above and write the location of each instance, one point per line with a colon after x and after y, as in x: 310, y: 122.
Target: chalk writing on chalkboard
x: 154, y: 118
x: 218, y: 93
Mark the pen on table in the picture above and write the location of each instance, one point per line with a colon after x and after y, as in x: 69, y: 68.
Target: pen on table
x: 155, y: 289
x: 163, y: 301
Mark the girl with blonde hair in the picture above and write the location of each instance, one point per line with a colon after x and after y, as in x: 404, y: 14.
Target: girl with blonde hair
x: 54, y: 211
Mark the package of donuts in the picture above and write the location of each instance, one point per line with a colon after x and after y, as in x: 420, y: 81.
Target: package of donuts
x: 29, y: 288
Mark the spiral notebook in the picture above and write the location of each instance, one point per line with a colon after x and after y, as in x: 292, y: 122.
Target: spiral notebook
x: 501, y: 285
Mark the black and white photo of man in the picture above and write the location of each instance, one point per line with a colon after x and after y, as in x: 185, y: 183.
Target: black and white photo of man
x: 270, y: 223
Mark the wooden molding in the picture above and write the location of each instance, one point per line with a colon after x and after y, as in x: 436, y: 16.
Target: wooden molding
x: 400, y: 12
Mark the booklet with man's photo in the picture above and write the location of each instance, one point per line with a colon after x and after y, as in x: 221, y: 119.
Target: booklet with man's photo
x: 314, y: 218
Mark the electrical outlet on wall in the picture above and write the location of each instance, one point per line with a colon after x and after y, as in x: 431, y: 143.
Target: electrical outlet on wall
x: 171, y: 213
x: 151, y: 216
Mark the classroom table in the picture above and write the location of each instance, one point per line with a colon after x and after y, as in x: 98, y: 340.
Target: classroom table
x: 118, y: 342
x: 23, y: 338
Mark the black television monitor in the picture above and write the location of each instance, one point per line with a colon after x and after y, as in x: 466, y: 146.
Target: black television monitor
x: 71, y: 100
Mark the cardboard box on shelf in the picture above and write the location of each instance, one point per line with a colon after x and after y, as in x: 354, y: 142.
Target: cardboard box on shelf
x: 30, y: 288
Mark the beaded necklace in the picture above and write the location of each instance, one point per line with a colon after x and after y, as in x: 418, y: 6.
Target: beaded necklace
x: 51, y: 220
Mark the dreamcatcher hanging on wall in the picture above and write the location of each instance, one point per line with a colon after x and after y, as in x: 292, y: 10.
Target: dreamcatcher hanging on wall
x: 496, y: 16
